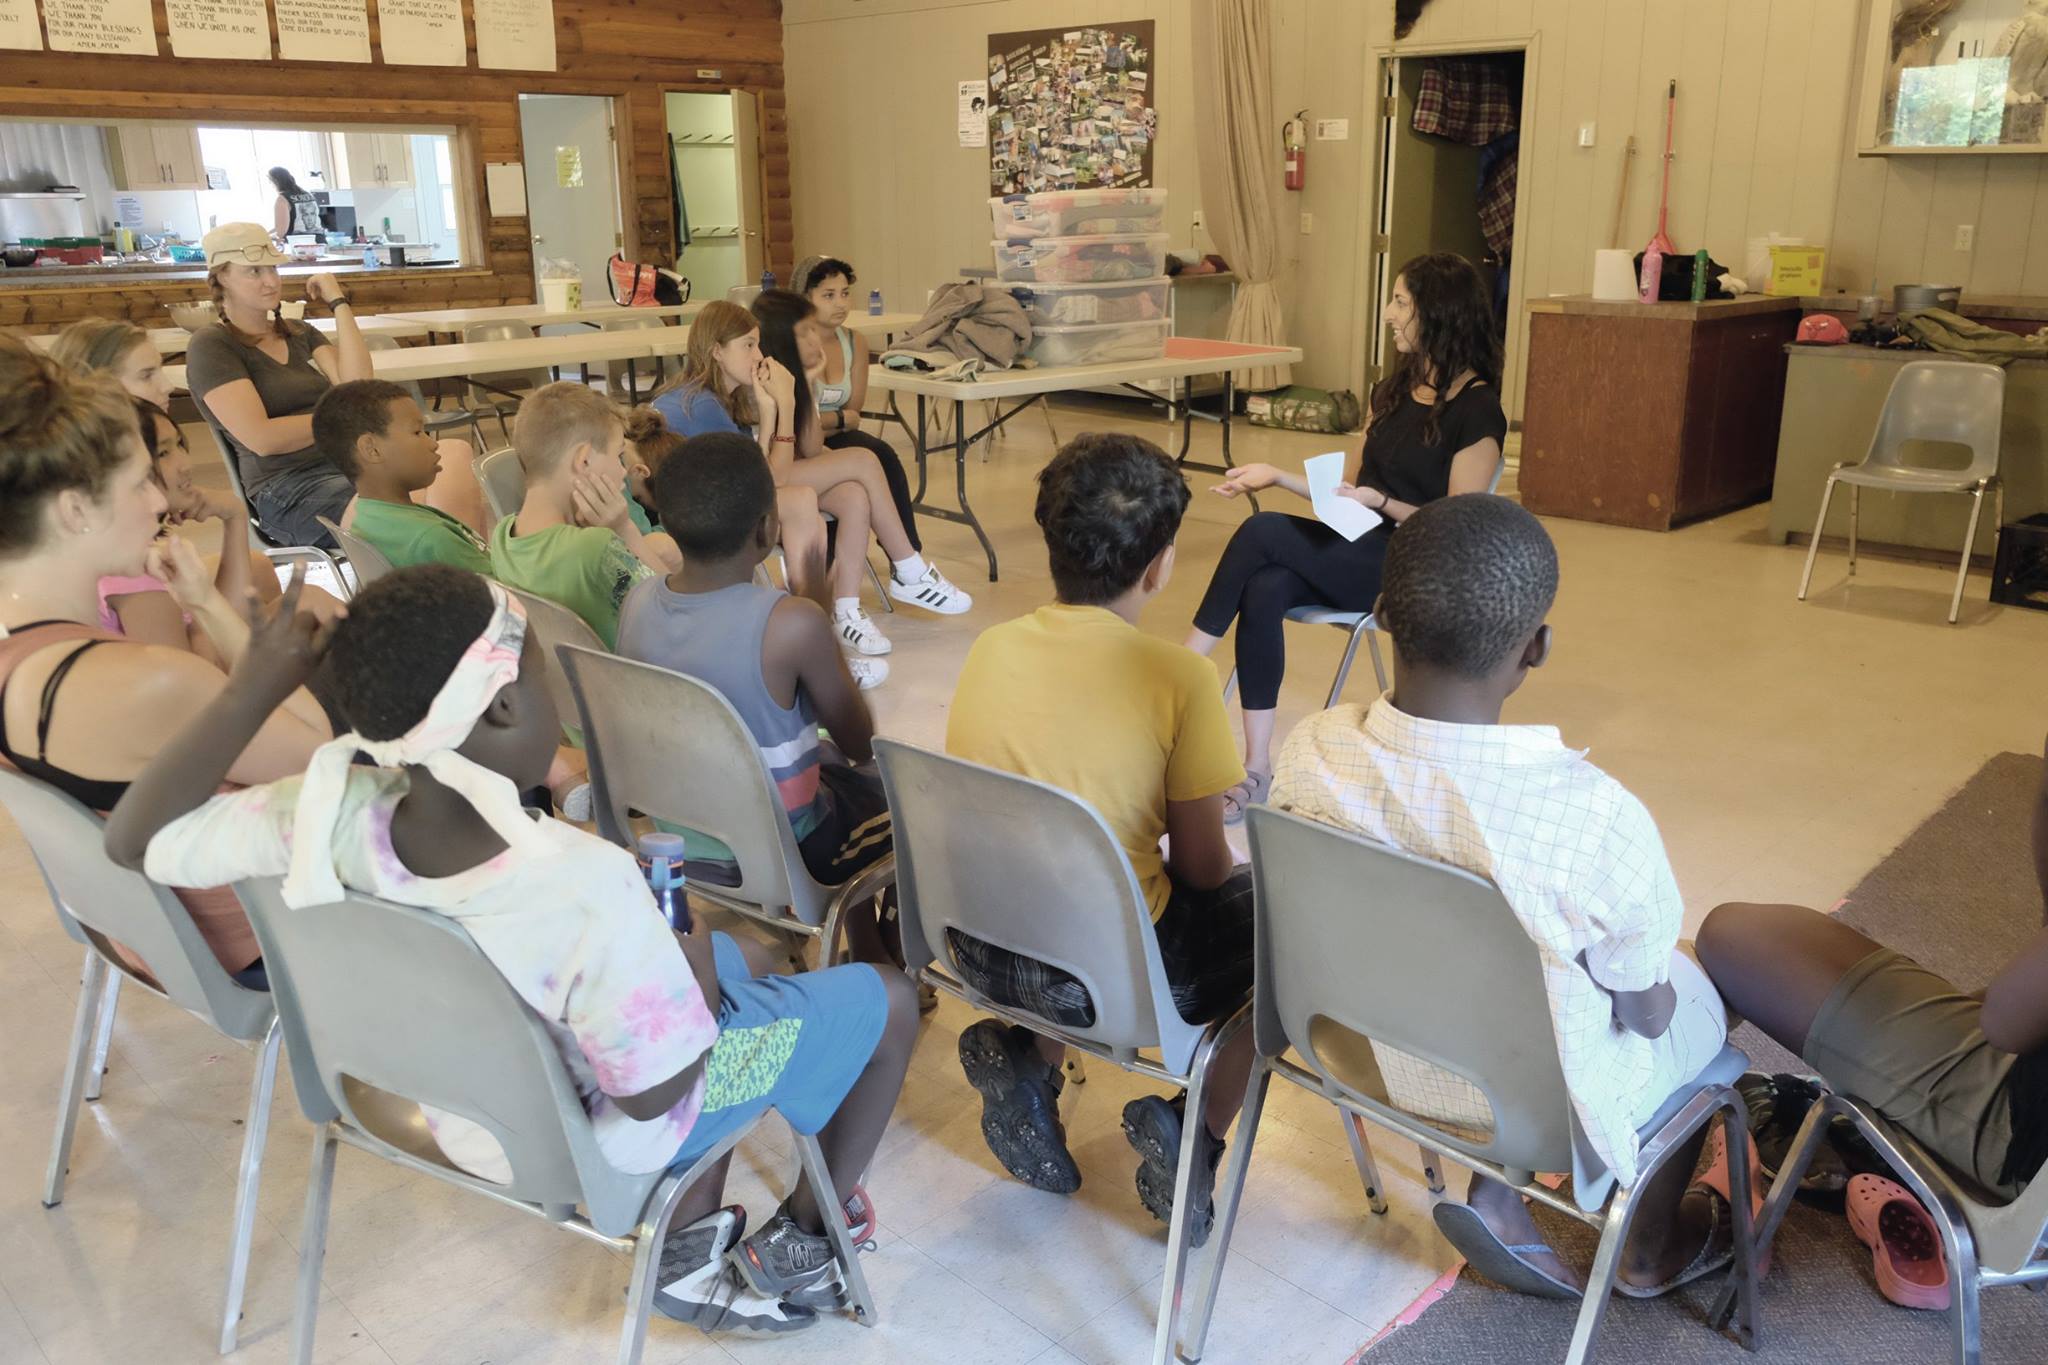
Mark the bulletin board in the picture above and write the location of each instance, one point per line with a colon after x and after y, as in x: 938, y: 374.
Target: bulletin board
x: 1071, y: 108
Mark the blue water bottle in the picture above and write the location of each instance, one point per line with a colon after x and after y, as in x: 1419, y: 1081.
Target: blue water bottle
x: 874, y: 303
x: 767, y: 278
x: 661, y: 859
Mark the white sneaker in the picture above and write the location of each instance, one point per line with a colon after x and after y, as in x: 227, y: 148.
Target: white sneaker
x: 577, y: 805
x: 857, y: 631
x: 932, y: 592
x: 868, y: 673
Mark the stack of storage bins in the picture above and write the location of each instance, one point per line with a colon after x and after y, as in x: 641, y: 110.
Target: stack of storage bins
x: 1089, y: 266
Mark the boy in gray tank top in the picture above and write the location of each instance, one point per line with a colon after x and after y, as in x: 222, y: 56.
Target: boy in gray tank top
x: 774, y: 657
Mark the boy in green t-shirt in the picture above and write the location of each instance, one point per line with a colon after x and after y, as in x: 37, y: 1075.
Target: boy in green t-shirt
x: 372, y: 431
x: 573, y: 540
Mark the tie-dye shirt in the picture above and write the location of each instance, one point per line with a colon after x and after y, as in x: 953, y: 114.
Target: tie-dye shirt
x: 572, y: 927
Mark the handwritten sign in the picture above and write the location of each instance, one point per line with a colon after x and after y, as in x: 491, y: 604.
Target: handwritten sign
x: 515, y: 35
x: 101, y: 26
x: 422, y: 32
x: 323, y: 30
x: 219, y: 28
x: 18, y: 26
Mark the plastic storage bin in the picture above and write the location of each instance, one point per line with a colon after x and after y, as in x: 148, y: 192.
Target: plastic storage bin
x: 1123, y: 257
x: 1099, y: 343
x: 1078, y: 213
x: 1079, y: 305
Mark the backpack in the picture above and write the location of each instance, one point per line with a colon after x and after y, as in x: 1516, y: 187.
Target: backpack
x: 1301, y: 408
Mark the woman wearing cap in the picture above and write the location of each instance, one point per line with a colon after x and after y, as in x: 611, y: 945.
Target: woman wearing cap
x: 257, y: 375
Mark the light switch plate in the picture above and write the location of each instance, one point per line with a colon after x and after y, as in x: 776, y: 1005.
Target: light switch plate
x: 1966, y: 236
x: 1308, y: 222
x: 1587, y: 132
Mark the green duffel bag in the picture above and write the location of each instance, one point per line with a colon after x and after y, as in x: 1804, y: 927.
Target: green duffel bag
x: 1301, y: 408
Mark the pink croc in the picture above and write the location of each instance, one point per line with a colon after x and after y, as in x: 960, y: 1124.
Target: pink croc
x: 1905, y: 1246
x: 1715, y: 1178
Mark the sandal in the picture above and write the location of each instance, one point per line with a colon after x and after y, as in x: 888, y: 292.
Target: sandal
x: 1716, y: 1253
x: 1246, y: 794
x: 1714, y: 1179
x: 1484, y: 1251
x: 1905, y: 1246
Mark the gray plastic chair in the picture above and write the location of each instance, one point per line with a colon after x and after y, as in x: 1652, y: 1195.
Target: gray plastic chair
x: 1941, y: 402
x: 622, y: 377
x: 503, y: 480
x: 1987, y: 1244
x: 440, y: 421
x: 1027, y: 867
x: 1357, y: 625
x: 1353, y: 939
x: 743, y: 294
x: 100, y: 903
x: 387, y: 1008
x: 259, y: 539
x: 554, y: 625
x: 500, y: 392
x: 368, y: 561
x: 671, y: 747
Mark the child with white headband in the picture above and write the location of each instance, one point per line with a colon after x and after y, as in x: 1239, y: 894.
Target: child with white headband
x: 672, y: 1042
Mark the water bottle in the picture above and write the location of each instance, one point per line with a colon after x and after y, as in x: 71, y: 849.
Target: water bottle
x: 874, y: 303
x: 767, y: 278
x: 369, y: 257
x: 661, y: 859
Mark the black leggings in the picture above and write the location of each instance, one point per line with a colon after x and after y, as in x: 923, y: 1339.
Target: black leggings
x: 892, y: 470
x: 1275, y: 563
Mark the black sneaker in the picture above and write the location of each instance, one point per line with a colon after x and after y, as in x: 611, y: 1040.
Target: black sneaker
x: 1020, y: 1116
x: 1153, y: 1127
x: 784, y: 1262
x: 697, y: 1284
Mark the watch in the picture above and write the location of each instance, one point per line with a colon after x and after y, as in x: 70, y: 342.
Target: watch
x: 334, y: 303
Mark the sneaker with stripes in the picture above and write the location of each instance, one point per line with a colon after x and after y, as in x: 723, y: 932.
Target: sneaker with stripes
x: 932, y: 591
x: 857, y: 631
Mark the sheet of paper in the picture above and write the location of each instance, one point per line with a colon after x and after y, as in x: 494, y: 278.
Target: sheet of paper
x: 101, y: 26
x: 1347, y: 518
x: 505, y: 188
x: 973, y: 113
x: 422, y: 33
x: 18, y: 27
x: 323, y: 30
x: 515, y: 35
x: 219, y: 28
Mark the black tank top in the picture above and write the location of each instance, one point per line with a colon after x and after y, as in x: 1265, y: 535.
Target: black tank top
x: 94, y: 793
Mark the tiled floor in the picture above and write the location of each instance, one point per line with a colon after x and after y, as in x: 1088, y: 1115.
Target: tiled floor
x: 1784, y: 748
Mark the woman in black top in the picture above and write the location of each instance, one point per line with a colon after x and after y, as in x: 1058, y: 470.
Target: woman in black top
x: 1434, y: 429
x: 296, y: 212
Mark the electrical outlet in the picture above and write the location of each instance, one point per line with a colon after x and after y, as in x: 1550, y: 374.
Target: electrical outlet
x: 1587, y: 132
x: 1966, y: 236
x: 1308, y: 223
x: 1196, y: 221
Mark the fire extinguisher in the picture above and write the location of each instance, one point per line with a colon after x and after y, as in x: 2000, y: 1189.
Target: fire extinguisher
x: 1294, y: 137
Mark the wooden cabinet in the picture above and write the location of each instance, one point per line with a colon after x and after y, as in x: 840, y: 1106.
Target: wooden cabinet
x: 156, y: 156
x: 371, y: 160
x: 1650, y: 415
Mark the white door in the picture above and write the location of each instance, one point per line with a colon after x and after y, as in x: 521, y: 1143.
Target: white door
x: 572, y: 186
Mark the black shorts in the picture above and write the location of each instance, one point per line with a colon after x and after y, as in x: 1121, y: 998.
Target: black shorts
x: 854, y: 834
x: 1205, y: 945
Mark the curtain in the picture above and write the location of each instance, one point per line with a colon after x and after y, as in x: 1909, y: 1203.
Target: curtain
x: 35, y: 156
x: 1239, y: 148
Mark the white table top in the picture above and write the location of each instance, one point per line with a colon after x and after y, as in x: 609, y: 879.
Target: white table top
x: 387, y: 324
x: 167, y: 340
x: 540, y: 315
x: 1185, y: 357
x: 876, y: 326
x: 522, y: 353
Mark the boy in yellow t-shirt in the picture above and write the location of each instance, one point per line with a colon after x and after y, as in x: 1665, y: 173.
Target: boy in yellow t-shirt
x: 1077, y: 696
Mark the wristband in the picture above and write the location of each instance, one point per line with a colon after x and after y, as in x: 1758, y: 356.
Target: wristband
x: 789, y: 440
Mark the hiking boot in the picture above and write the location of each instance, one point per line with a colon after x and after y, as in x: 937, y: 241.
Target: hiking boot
x: 784, y: 1262
x: 696, y: 1282
x: 1154, y: 1126
x: 1020, y: 1115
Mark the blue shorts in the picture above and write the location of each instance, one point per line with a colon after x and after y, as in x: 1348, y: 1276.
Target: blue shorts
x: 794, y: 1044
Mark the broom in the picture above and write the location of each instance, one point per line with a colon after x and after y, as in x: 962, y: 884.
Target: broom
x: 1661, y: 243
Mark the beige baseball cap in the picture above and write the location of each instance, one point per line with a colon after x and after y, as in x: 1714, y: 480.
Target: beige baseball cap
x: 241, y: 243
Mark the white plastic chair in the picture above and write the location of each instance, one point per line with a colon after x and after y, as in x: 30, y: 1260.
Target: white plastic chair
x: 501, y: 391
x: 1026, y: 867
x: 1355, y: 942
x: 503, y: 480
x: 1986, y: 1244
x: 388, y: 1008
x: 1942, y: 402
x: 554, y: 625
x: 368, y: 561
x: 100, y: 903
x: 440, y: 421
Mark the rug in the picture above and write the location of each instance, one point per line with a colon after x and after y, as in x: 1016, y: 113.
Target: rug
x: 1959, y: 895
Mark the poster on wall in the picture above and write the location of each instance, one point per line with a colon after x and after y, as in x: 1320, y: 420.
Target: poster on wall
x: 421, y: 33
x: 101, y: 26
x: 1071, y: 108
x: 323, y: 30
x: 18, y: 27
x: 515, y: 35
x: 219, y: 28
x: 973, y: 113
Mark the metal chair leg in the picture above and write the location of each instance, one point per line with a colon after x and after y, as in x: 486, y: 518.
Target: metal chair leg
x: 1431, y: 1171
x: 73, y: 1092
x: 1361, y: 1157
x: 827, y: 1194
x: 647, y: 1244
x: 1195, y: 1318
x: 1813, y: 546
x: 1379, y: 665
x: 1855, y: 521
x: 881, y: 589
x: 313, y: 1242
x: 1180, y: 1231
x: 1955, y: 602
x: 103, y: 1036
x: 1600, y: 1284
x: 1344, y: 665
x: 255, y: 1133
x: 1791, y: 1171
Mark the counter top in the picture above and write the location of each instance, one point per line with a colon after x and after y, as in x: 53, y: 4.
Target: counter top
x: 2012, y: 307
x: 101, y: 276
x: 1581, y: 305
x: 1898, y: 354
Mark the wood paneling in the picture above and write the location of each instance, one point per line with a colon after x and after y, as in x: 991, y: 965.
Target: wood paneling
x: 626, y: 49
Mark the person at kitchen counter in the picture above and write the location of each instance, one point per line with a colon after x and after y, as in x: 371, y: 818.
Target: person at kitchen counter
x: 257, y: 375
